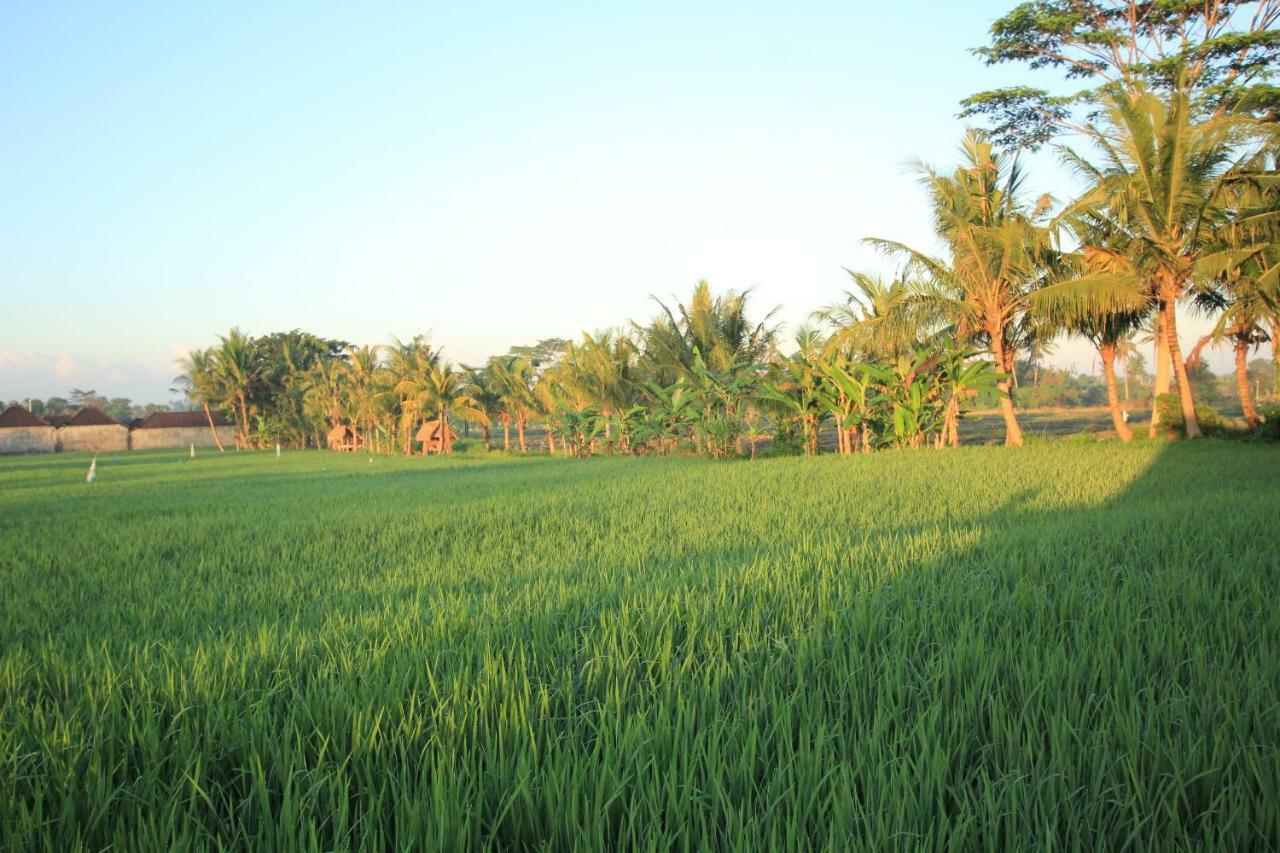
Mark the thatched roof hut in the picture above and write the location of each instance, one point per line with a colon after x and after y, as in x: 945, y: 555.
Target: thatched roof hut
x: 436, y: 439
x: 344, y: 438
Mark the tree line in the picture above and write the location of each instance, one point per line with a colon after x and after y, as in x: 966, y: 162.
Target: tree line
x: 121, y: 408
x: 1175, y: 138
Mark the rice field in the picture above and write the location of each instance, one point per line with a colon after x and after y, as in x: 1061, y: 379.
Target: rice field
x: 1062, y: 646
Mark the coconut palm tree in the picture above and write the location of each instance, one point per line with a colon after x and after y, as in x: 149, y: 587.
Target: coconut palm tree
x: 366, y: 398
x: 409, y: 364
x: 1100, y: 297
x: 1242, y: 267
x: 1126, y: 353
x: 999, y: 252
x: 513, y: 378
x: 875, y: 317
x: 200, y: 384
x: 325, y: 387
x: 485, y: 390
x: 606, y: 365
x: 1159, y: 178
x: 235, y: 373
x: 715, y: 326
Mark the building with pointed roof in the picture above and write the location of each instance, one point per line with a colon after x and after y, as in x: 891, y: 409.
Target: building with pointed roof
x: 23, y: 432
x: 93, y: 430
x: 173, y: 430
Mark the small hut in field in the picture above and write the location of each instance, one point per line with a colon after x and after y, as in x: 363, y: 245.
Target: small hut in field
x: 92, y: 429
x: 344, y: 439
x: 436, y: 439
x: 23, y: 432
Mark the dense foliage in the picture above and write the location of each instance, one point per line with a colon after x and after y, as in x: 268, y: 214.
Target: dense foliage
x: 1181, y: 207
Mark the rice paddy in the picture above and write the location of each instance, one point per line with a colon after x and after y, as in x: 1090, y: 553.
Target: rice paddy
x: 1064, y: 646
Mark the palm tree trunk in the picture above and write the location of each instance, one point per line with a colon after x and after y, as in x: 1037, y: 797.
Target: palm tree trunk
x: 520, y: 435
x: 1275, y: 355
x: 950, y: 426
x: 1161, y: 386
x: 1185, y: 399
x: 506, y: 435
x: 1242, y: 382
x: 1012, y: 431
x: 486, y: 438
x: 244, y: 418
x: 446, y: 446
x: 213, y: 430
x: 1108, y: 353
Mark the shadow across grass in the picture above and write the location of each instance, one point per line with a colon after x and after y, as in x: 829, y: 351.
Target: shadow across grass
x: 1051, y: 646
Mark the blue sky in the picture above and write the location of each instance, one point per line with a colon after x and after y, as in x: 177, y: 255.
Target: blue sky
x: 488, y: 173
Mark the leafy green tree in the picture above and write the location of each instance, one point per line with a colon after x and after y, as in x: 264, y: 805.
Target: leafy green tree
x: 56, y: 406
x: 543, y: 354
x: 120, y: 408
x: 82, y: 399
x: 1221, y: 53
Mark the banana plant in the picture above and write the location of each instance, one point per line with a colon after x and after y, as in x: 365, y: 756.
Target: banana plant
x: 908, y: 389
x: 798, y: 392
x: 671, y: 417
x: 964, y: 376
x: 847, y: 396
x: 723, y: 395
x: 578, y: 428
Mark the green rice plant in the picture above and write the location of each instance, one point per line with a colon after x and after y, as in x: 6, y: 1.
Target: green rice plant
x: 1068, y: 646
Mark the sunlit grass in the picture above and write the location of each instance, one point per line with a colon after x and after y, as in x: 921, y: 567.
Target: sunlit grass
x: 1062, y: 645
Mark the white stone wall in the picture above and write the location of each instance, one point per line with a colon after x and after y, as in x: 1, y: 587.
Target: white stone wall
x: 35, y: 439
x: 103, y: 438
x: 179, y: 437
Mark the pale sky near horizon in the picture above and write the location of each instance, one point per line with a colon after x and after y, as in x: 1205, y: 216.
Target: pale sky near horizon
x: 490, y: 174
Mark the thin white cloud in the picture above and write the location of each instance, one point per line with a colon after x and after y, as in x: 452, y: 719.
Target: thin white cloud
x: 66, y: 366
x: 13, y: 360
